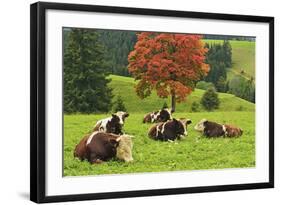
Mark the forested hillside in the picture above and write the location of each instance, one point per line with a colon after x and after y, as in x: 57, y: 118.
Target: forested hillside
x: 118, y: 45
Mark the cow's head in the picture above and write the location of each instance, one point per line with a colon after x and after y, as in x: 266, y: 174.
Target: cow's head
x: 115, y: 124
x: 124, y: 149
x: 182, y: 125
x: 122, y: 116
x: 164, y: 115
x: 200, y: 126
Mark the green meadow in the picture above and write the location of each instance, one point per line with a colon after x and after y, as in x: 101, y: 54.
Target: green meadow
x: 124, y: 87
x: 195, y: 152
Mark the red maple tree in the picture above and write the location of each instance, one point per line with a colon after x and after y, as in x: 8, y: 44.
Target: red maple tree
x: 169, y: 63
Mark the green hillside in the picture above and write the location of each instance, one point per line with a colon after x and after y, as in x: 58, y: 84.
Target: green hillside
x: 243, y: 57
x: 124, y: 86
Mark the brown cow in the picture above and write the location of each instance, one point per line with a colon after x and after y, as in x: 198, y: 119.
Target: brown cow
x: 213, y: 129
x: 100, y: 146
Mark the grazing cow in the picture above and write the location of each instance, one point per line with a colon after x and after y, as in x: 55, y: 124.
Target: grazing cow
x: 170, y: 130
x: 162, y: 115
x: 112, y: 124
x: 100, y: 146
x: 213, y: 129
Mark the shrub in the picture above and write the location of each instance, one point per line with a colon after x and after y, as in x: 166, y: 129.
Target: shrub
x: 239, y: 108
x: 195, y: 106
x: 243, y: 88
x: 210, y: 100
x: 204, y: 85
x: 119, y: 105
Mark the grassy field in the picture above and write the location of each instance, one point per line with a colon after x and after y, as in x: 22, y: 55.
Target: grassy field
x: 192, y: 153
x: 124, y: 86
x: 243, y: 57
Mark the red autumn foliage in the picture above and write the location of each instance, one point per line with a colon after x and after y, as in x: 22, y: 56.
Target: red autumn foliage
x: 168, y: 63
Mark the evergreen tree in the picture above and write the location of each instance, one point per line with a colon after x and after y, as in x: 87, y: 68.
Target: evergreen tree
x: 227, y: 53
x: 119, y: 105
x: 221, y: 84
x: 210, y: 100
x: 219, y: 57
x: 85, y: 82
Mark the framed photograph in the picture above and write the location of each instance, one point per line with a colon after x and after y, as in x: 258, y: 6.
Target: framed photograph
x: 129, y: 102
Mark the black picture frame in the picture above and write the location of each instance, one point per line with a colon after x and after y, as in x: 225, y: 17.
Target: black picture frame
x: 38, y: 100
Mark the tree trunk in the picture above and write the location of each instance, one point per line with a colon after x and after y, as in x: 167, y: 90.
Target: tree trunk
x: 173, y: 102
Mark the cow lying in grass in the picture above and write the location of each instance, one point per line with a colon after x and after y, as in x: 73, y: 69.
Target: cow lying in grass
x: 113, y: 124
x: 100, y: 146
x: 213, y: 129
x: 162, y: 115
x: 170, y: 130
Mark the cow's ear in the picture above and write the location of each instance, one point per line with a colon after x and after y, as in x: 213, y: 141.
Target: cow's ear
x: 113, y: 115
x: 127, y: 115
x: 174, y: 119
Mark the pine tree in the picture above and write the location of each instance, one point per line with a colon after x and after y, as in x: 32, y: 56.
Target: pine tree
x: 85, y: 84
x: 221, y: 84
x: 119, y: 105
x: 219, y: 58
x: 210, y: 100
x: 227, y: 53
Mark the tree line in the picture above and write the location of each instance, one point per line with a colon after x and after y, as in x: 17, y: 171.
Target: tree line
x: 229, y: 37
x: 118, y: 45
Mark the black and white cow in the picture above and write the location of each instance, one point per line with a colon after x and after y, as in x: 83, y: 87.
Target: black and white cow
x: 170, y: 130
x: 162, y: 115
x: 113, y: 124
x: 213, y: 129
